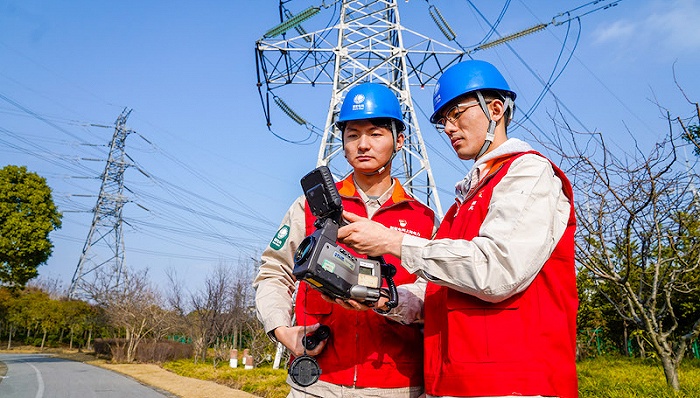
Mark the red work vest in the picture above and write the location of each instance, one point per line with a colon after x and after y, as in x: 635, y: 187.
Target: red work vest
x: 366, y: 349
x: 524, y: 345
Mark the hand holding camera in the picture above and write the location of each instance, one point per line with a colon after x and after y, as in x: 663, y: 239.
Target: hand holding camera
x: 328, y: 267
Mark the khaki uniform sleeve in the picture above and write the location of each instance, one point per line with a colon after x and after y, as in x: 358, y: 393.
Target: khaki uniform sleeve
x: 410, y: 308
x: 275, y: 285
x: 527, y: 217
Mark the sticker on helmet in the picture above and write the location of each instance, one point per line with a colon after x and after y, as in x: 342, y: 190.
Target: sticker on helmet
x: 358, y: 100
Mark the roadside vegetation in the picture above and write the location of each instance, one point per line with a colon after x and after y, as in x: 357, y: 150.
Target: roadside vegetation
x: 263, y: 381
x: 601, y: 377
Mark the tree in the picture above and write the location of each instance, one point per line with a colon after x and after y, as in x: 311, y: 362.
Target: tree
x: 692, y: 135
x: 27, y: 216
x: 133, y: 307
x: 690, y: 132
x: 221, y: 315
x: 209, y: 314
x: 76, y: 317
x: 638, y: 239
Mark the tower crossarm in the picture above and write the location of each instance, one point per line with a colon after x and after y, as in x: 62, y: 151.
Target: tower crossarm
x: 367, y: 43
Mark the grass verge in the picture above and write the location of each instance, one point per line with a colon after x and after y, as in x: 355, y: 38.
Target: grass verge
x: 620, y: 377
x: 615, y: 377
x: 263, y: 382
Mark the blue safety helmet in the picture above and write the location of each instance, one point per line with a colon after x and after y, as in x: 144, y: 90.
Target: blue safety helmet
x: 369, y: 101
x: 466, y: 77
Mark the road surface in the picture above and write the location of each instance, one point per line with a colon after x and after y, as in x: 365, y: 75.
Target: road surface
x: 43, y: 376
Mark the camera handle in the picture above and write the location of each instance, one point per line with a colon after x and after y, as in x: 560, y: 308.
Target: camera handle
x: 388, y: 272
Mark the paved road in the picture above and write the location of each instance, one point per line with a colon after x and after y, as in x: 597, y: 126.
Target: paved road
x: 42, y: 376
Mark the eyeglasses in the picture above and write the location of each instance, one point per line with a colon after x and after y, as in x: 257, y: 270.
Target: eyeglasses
x: 453, y: 114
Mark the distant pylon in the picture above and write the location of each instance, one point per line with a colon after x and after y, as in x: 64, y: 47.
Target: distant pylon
x: 106, y: 227
x: 370, y: 47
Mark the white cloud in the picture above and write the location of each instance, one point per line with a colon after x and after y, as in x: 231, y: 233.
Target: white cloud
x: 619, y: 30
x: 676, y: 25
x: 658, y: 28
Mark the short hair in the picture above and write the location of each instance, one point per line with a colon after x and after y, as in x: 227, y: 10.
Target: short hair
x: 384, y: 122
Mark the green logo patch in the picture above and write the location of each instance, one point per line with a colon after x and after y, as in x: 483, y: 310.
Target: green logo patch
x: 280, y: 238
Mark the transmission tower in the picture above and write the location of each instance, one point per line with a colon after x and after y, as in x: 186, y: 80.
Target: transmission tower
x: 106, y: 227
x: 370, y: 44
x: 367, y: 44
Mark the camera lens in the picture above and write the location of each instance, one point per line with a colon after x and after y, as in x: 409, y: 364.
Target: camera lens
x: 304, y: 250
x: 311, y: 341
x: 323, y: 332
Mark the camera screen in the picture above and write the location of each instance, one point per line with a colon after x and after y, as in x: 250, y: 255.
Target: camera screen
x: 318, y: 201
x: 366, y: 270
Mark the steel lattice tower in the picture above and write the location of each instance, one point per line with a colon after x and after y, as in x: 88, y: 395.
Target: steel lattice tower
x: 370, y: 46
x: 106, y: 227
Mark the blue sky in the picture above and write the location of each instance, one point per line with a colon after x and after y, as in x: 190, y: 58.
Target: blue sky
x: 219, y: 181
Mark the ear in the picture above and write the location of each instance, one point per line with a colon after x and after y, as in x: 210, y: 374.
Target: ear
x: 399, y: 141
x: 498, y: 110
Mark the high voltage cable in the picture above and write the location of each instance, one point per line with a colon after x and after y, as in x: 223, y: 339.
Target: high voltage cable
x: 249, y: 211
x: 214, y: 216
x: 444, y: 27
x: 538, y: 27
x: 205, y: 218
x: 102, y: 100
x: 155, y: 231
x: 534, y: 74
x: 204, y: 237
x: 44, y: 154
x: 608, y: 89
x: 552, y: 79
x: 197, y: 202
x: 39, y: 117
x: 61, y: 161
x: 52, y: 124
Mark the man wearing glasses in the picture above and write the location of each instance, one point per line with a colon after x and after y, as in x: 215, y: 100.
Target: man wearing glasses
x: 500, y: 302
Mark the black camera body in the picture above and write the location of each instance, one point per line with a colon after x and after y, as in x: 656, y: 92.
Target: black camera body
x: 328, y: 267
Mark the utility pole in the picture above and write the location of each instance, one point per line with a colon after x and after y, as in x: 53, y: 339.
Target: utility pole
x: 367, y: 44
x: 105, y: 234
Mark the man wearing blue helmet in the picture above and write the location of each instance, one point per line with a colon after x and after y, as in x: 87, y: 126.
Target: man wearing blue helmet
x: 500, y: 303
x: 366, y: 355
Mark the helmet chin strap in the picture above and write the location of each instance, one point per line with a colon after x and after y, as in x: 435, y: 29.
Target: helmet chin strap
x: 492, y: 126
x: 393, y: 154
x: 490, y: 133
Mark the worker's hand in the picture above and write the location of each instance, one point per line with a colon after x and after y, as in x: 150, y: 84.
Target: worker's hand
x: 291, y: 337
x: 353, y: 305
x: 357, y: 306
x: 369, y: 237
